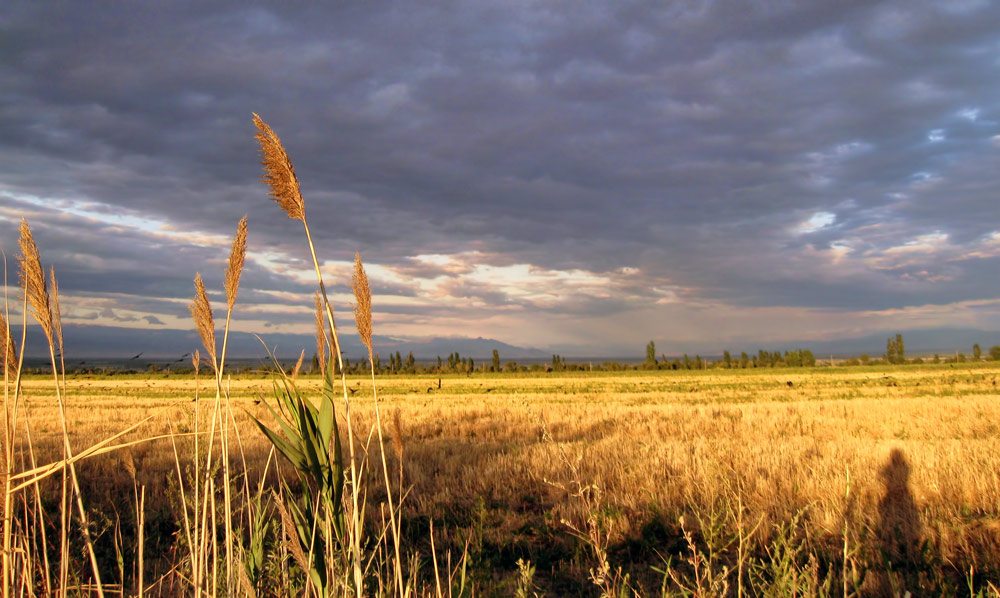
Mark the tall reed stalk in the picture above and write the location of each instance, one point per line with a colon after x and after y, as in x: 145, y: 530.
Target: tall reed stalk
x: 284, y: 189
x: 33, y: 283
x: 363, y: 319
x: 201, y: 312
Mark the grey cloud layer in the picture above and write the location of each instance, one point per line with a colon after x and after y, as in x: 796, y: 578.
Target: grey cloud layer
x: 690, y: 141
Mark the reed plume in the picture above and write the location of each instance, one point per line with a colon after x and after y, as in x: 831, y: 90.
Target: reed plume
x: 201, y: 312
x: 9, y: 358
x: 298, y: 365
x: 32, y: 278
x: 56, y: 312
x: 363, y: 303
x: 291, y: 539
x: 320, y: 336
x: 237, y: 257
x: 280, y: 174
x: 196, y: 361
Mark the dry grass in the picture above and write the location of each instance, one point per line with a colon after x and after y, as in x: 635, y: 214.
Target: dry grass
x: 658, y: 446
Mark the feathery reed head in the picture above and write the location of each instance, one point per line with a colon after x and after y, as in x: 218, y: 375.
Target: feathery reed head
x: 290, y: 535
x: 320, y: 335
x: 201, y: 312
x: 33, y: 280
x: 298, y: 365
x: 363, y: 303
x: 280, y: 174
x: 8, y: 359
x: 196, y: 361
x: 237, y: 256
x: 128, y: 461
x: 56, y: 313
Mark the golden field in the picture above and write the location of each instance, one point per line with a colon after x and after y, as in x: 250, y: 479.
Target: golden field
x: 877, y: 477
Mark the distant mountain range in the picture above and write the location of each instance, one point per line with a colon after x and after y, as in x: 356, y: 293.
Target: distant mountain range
x: 83, y: 342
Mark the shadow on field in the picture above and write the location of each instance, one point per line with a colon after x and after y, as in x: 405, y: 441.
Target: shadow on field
x: 899, y: 530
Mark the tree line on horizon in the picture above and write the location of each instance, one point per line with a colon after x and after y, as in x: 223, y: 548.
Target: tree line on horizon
x: 455, y: 363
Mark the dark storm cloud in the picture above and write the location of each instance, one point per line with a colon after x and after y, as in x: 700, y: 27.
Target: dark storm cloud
x: 725, y: 149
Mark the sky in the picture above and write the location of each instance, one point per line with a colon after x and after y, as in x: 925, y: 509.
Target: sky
x: 577, y: 176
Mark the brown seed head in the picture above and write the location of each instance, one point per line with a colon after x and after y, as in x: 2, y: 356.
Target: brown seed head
x: 320, y: 335
x: 201, y: 312
x: 237, y: 256
x: 33, y: 280
x: 291, y: 537
x: 56, y: 313
x: 8, y: 359
x: 298, y: 365
x: 363, y: 303
x: 280, y: 174
x: 128, y: 461
x: 196, y: 361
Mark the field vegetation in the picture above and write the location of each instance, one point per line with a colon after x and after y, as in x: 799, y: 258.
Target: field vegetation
x: 823, y: 460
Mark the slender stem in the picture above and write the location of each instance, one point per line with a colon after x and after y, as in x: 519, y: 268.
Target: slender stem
x: 388, y: 488
x: 192, y: 543
x: 358, y: 578
x: 195, y: 569
x: 142, y: 540
x: 225, y: 459
x: 72, y: 472
x: 31, y: 450
x: 8, y: 438
x: 209, y: 486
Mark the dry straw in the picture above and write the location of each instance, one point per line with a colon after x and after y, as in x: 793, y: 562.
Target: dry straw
x: 280, y: 174
x: 33, y: 280
x: 201, y: 312
x: 397, y: 434
x: 363, y: 303
x: 234, y: 268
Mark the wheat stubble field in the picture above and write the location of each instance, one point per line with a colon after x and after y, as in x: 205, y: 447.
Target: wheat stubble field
x: 835, y: 481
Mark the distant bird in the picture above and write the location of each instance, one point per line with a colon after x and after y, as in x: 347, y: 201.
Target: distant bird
x: 82, y: 362
x: 352, y: 390
x: 137, y: 356
x: 789, y: 383
x: 185, y: 355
